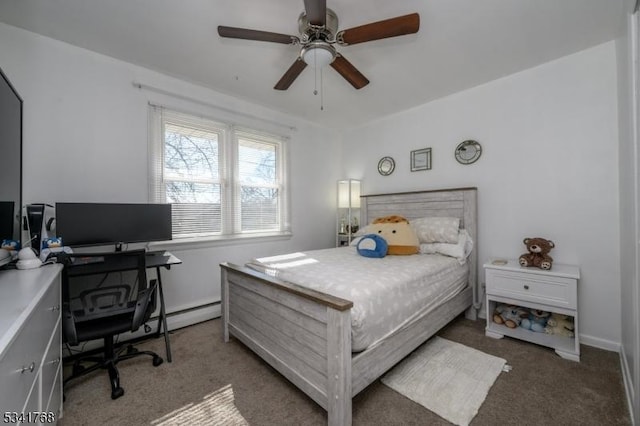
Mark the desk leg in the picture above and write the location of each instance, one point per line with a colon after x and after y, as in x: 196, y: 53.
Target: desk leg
x: 163, y: 317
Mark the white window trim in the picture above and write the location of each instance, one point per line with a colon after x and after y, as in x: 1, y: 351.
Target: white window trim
x: 229, y: 181
x: 219, y: 241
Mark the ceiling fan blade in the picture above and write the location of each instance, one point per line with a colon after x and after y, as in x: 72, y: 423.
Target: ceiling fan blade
x: 243, y: 33
x: 349, y: 72
x: 292, y: 73
x: 401, y: 25
x: 316, y: 11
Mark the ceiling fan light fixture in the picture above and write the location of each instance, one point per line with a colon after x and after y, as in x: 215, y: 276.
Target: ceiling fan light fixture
x: 318, y: 54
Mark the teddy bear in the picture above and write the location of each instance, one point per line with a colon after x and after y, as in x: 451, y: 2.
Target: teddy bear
x: 538, y: 254
x: 561, y: 325
x: 509, y: 315
x: 536, y: 320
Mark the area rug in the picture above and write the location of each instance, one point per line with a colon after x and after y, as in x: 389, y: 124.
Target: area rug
x: 216, y: 408
x: 446, y: 377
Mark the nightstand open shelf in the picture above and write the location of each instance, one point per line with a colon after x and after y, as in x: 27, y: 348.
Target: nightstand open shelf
x: 555, y: 290
x: 562, y: 344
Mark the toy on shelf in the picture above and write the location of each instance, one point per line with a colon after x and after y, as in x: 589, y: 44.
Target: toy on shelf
x: 561, y: 325
x: 536, y: 320
x: 509, y: 315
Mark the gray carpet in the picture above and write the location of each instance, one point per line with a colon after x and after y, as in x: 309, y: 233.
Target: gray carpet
x: 542, y: 388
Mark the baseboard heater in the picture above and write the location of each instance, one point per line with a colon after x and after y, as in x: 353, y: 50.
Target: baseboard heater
x: 184, y: 311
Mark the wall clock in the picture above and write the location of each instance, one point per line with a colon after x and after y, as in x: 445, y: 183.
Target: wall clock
x: 468, y: 152
x: 386, y: 165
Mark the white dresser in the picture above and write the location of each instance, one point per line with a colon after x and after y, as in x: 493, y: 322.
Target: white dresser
x: 30, y: 346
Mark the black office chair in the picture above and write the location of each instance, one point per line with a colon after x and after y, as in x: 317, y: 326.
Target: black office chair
x: 94, y: 307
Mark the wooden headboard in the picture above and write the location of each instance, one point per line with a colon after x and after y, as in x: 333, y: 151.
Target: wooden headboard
x: 455, y: 202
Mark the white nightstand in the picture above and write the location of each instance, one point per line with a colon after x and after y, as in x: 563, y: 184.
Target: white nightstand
x: 343, y: 240
x: 555, y: 290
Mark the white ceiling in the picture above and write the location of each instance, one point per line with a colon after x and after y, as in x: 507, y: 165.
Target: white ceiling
x: 461, y: 44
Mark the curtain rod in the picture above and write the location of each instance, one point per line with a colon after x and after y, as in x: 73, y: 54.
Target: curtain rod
x: 142, y: 86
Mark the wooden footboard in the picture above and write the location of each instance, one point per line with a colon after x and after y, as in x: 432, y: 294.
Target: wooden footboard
x: 304, y: 334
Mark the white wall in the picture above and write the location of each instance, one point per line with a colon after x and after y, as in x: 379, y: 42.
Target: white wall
x: 85, y: 139
x: 629, y: 216
x: 549, y: 168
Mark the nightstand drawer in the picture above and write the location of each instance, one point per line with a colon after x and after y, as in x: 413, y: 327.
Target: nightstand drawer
x: 549, y: 290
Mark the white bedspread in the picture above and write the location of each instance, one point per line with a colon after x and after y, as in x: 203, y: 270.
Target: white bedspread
x: 386, y: 293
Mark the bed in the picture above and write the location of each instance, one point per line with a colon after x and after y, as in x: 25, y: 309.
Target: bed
x: 306, y: 334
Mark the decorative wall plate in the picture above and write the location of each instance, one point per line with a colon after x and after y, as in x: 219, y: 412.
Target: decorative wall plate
x: 386, y: 165
x: 468, y: 152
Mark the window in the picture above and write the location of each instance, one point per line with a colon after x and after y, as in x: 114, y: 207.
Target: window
x: 222, y: 181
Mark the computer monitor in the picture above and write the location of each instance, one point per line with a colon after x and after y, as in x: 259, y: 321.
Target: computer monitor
x: 11, y: 154
x: 87, y: 224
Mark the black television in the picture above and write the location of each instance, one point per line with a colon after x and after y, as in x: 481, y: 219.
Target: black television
x: 11, y: 165
x: 90, y: 224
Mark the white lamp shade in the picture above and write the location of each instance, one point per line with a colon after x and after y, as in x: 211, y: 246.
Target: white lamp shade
x: 349, y: 194
x: 317, y: 56
x: 355, y: 194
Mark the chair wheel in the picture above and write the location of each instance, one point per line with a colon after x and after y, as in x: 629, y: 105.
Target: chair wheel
x: 131, y: 349
x: 117, y: 393
x: 157, y: 361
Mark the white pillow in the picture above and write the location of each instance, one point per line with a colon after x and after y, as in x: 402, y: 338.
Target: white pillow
x: 436, y: 229
x: 363, y: 230
x: 461, y: 250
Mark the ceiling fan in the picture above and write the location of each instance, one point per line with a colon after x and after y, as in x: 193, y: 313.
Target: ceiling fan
x: 318, y: 27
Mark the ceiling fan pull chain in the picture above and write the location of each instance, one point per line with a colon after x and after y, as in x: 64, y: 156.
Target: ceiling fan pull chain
x: 315, y: 74
x: 321, y: 92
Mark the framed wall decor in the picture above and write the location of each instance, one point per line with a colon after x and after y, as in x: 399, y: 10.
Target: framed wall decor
x: 421, y: 159
x: 386, y: 165
x: 468, y: 152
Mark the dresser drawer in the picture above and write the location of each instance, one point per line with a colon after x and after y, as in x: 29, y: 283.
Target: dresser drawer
x: 53, y: 409
x: 32, y: 405
x: 549, y: 290
x: 21, y: 363
x: 18, y: 371
x: 50, y: 365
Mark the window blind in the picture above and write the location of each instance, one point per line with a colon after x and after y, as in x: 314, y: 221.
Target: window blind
x: 220, y: 180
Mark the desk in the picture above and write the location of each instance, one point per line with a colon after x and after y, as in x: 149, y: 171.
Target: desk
x: 154, y: 260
